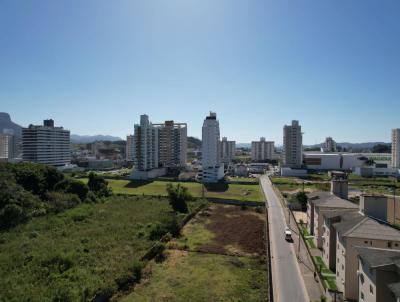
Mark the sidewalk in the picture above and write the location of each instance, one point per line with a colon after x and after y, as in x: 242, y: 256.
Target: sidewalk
x: 314, y: 288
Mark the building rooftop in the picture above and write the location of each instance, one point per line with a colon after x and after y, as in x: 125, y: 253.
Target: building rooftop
x: 364, y: 227
x: 328, y: 200
x: 338, y: 212
x: 378, y: 257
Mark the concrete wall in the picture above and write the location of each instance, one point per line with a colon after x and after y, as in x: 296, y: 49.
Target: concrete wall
x: 374, y: 205
x: 391, y: 208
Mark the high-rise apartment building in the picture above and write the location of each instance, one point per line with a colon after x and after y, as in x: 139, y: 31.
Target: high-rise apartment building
x: 262, y: 150
x: 8, y: 145
x: 329, y: 145
x: 46, y: 144
x: 396, y: 148
x: 145, y: 149
x: 172, y: 140
x: 292, y: 145
x: 129, y: 148
x: 227, y: 149
x: 212, y: 170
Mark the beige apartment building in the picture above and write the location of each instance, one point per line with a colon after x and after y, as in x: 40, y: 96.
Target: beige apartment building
x: 262, y: 150
x: 329, y: 233
x: 378, y: 274
x: 319, y: 203
x: 359, y: 232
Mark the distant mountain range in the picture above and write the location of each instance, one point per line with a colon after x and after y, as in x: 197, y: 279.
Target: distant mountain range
x: 85, y: 139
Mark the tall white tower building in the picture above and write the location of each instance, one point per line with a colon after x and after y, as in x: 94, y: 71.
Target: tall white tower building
x: 129, y: 148
x: 8, y: 145
x: 212, y: 170
x: 396, y: 148
x: 292, y: 145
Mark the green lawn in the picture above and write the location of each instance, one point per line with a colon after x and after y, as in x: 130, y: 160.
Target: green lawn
x: 330, y: 280
x: 189, y: 276
x: 72, y: 255
x: 245, y: 192
x: 293, y: 183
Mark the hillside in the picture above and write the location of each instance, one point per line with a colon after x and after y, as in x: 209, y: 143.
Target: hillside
x: 7, y: 123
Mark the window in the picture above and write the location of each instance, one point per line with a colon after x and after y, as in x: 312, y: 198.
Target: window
x: 362, y: 278
x: 389, y: 244
x: 362, y: 296
x: 366, y: 242
x: 396, y: 244
x: 337, y: 273
x: 371, y: 289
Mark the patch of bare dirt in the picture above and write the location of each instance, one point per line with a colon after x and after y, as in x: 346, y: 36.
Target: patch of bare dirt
x: 237, y: 231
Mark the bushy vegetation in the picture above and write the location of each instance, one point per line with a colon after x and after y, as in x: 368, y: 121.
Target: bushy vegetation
x: 90, y: 250
x: 28, y: 190
x: 178, y: 195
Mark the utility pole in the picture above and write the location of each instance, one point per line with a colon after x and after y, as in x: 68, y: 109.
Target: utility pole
x: 394, y: 204
x: 202, y: 191
x: 298, y: 247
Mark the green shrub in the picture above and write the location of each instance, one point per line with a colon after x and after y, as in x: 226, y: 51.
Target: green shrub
x: 59, y: 201
x: 177, y: 196
x: 73, y: 186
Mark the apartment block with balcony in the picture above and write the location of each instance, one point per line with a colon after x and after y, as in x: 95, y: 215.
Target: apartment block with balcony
x: 46, y: 144
x: 262, y: 150
x: 227, y: 149
x: 8, y: 145
x: 396, y: 148
x: 292, y: 145
x: 172, y: 140
x: 129, y: 148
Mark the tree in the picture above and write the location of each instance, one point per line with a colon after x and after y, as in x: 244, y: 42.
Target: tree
x: 302, y: 199
x: 98, y: 185
x: 178, y: 195
x: 381, y: 148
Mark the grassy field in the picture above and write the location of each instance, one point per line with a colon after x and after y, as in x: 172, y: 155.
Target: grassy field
x: 287, y: 184
x: 217, y: 258
x: 245, y: 192
x: 75, y: 254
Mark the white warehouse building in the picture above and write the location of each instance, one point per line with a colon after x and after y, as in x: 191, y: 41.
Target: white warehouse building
x: 340, y: 161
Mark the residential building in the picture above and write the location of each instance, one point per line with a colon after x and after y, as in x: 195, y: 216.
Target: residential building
x: 212, y: 168
x: 292, y: 145
x: 262, y: 150
x: 172, y: 140
x: 329, y: 145
x: 129, y: 148
x: 318, y: 204
x: 352, y: 233
x: 378, y: 274
x: 396, y: 148
x: 8, y: 145
x: 227, y: 150
x: 146, y: 150
x: 46, y: 144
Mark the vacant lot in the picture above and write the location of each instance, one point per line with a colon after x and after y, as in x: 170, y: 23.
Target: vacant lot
x: 220, y: 257
x: 75, y: 254
x: 242, y: 192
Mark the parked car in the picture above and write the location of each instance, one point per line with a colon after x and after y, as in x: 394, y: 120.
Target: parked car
x: 288, y: 234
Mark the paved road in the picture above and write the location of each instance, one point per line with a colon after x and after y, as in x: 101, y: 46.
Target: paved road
x: 287, y: 281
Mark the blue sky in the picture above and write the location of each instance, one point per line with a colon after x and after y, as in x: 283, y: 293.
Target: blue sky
x: 95, y: 65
